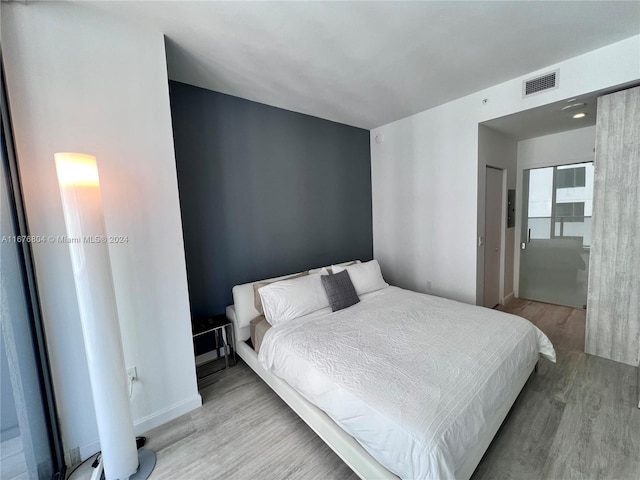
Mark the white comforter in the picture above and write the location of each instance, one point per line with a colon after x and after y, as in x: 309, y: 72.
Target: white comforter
x: 412, y: 377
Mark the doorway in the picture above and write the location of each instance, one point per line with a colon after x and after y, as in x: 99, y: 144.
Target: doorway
x: 555, y: 238
x: 494, y: 193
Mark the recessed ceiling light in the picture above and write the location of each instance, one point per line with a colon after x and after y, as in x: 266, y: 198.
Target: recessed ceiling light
x: 580, y: 115
x: 574, y: 105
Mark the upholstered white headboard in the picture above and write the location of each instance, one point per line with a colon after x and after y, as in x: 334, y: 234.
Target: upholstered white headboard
x: 243, y: 309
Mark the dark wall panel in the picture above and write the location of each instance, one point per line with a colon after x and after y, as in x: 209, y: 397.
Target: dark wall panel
x: 265, y: 192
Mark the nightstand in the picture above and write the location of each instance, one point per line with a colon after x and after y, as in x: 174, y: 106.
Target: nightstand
x: 221, y: 329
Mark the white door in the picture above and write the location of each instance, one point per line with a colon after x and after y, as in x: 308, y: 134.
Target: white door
x: 493, y: 237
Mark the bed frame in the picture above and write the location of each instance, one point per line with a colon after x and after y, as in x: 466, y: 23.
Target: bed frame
x: 343, y: 444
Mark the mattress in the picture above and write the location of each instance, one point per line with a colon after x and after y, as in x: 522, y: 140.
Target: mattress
x: 412, y: 377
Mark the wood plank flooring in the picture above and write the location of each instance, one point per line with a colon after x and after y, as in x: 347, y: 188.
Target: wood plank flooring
x: 575, y: 419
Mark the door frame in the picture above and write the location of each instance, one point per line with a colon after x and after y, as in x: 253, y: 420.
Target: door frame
x: 503, y: 233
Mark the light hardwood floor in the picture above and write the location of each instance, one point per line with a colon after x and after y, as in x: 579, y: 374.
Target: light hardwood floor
x: 574, y: 420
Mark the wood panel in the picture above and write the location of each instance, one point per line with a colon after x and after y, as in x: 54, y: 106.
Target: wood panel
x: 613, y: 305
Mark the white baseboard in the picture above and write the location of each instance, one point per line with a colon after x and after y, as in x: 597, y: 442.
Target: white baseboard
x: 207, y: 357
x: 507, y: 299
x: 140, y: 427
x: 161, y: 417
x: 81, y: 453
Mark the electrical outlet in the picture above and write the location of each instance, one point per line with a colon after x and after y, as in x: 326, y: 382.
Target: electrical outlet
x: 132, y: 374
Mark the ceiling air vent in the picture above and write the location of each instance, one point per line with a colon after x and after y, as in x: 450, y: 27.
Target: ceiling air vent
x: 545, y: 82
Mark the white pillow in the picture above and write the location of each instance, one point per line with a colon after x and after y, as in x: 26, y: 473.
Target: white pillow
x: 314, y: 271
x: 366, y: 277
x: 289, y: 299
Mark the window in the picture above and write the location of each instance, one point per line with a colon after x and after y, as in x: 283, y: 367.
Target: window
x: 30, y: 444
x: 571, y: 177
x: 571, y: 211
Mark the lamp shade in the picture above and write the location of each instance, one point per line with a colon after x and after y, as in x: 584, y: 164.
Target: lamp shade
x: 86, y: 236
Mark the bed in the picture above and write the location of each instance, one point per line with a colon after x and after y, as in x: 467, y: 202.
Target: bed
x: 424, y: 401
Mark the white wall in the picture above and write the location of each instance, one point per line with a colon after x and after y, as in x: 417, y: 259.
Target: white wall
x: 84, y: 82
x: 565, y: 148
x: 425, y: 173
x: 496, y: 150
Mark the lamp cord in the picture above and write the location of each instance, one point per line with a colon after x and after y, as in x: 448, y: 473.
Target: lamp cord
x: 97, y: 455
x: 140, y: 442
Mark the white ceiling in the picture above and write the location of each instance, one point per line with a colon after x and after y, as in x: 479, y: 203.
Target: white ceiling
x: 370, y: 63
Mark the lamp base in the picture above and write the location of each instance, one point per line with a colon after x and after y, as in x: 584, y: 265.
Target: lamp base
x: 146, y: 464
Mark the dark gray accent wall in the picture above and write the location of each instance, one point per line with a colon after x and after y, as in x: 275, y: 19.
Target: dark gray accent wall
x: 265, y: 192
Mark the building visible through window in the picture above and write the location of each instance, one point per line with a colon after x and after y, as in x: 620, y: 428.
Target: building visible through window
x: 571, y: 177
x: 560, y: 202
x: 570, y: 211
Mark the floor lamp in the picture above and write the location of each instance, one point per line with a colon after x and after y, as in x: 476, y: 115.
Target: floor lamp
x: 86, y: 236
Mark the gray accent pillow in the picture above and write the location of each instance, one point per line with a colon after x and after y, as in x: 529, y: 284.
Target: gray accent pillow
x: 340, y: 290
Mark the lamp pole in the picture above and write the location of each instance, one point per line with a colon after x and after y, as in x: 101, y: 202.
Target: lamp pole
x: 86, y: 232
